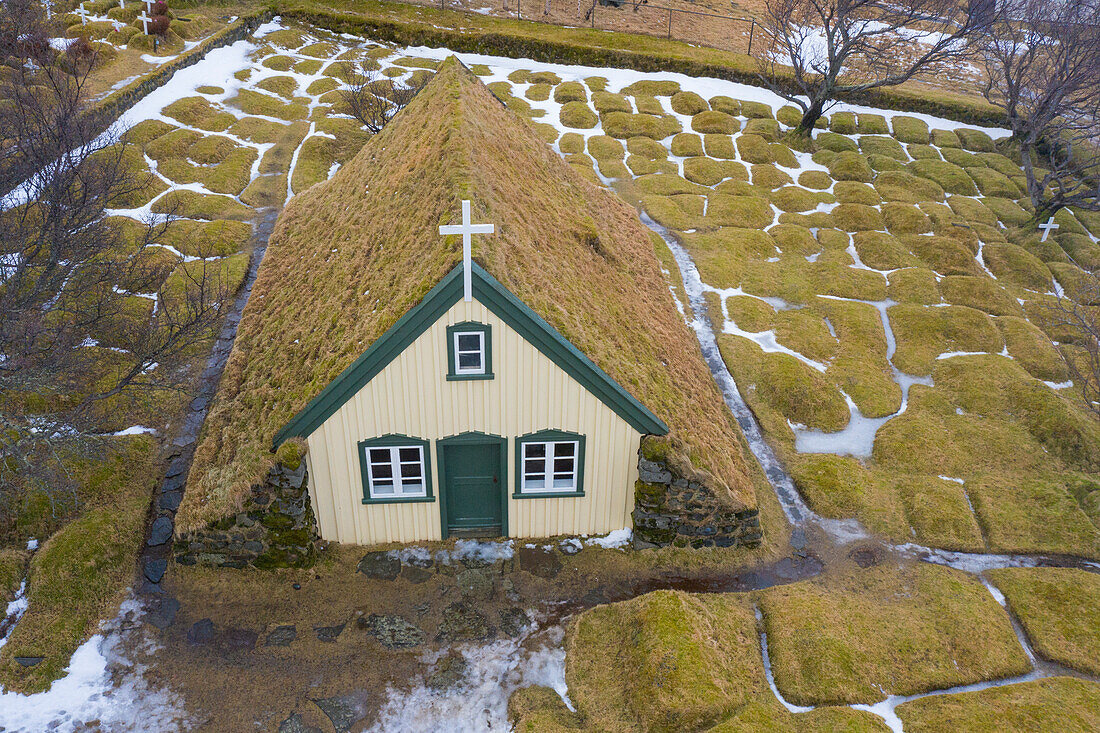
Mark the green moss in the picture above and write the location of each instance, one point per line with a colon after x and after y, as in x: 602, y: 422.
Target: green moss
x: 653, y: 88
x: 794, y: 239
x: 667, y: 184
x: 1059, y: 609
x: 857, y: 217
x: 992, y: 183
x: 765, y: 128
x: 886, y: 631
x: 815, y: 179
x: 1031, y: 348
x: 315, y: 159
x: 910, y: 129
x: 703, y: 170
x: 754, y: 149
x: 980, y: 293
x: 922, y: 152
x: 723, y: 255
x: 835, y: 142
x: 254, y: 103
x: 739, y: 211
x: 198, y: 112
x: 284, y: 86
x: 719, y: 146
x: 1032, y: 516
x: 950, y: 177
x: 539, y: 92
x: 962, y: 158
x: 883, y: 252
x: 577, y: 115
x: 146, y: 132
x: 945, y: 139
x: 943, y: 255
x: 848, y: 166
x: 713, y: 122
x: 972, y: 211
x: 233, y: 173
x: 726, y: 104
x: 939, y: 513
x: 1015, y: 264
x: 924, y: 333
x: 794, y: 198
x: 905, y: 218
x: 571, y: 142
x: 975, y: 140
x: 850, y: 192
x: 843, y: 123
x: 872, y: 124
x: 882, y: 145
x: 1055, y: 703
x: 752, y: 110
x: 795, y: 390
x: 913, y: 285
x: 622, y: 125
x: 769, y: 177
x: 688, y: 103
x: 206, y: 239
x: 267, y: 190
x: 79, y: 575
x: 884, y: 163
x: 194, y: 205
x: 606, y: 102
x: 279, y: 63
x: 687, y: 144
x: 570, y: 91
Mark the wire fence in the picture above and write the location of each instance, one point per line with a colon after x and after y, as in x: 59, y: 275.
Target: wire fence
x: 676, y: 20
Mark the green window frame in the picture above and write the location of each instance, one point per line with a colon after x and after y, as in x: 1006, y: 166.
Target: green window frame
x: 394, y: 443
x: 552, y: 459
x: 485, y: 333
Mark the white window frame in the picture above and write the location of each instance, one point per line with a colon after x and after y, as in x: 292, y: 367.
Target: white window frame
x: 548, y: 473
x: 396, y: 479
x: 480, y: 369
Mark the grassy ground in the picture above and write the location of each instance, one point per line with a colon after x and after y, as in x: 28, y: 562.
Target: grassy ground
x: 1057, y: 703
x: 965, y: 274
x: 1059, y: 609
x: 886, y: 630
x: 77, y: 576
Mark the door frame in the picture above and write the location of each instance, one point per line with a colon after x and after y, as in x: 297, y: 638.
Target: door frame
x: 472, y: 437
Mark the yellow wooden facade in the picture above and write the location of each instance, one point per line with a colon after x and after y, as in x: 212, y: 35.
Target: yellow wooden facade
x: 412, y: 396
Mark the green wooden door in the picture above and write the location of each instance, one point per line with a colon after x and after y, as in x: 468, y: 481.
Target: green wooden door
x: 474, y: 489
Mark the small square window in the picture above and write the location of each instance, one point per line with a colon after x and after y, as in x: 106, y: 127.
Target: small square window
x: 469, y: 352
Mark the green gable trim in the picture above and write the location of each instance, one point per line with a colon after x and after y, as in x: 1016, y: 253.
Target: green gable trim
x: 505, y: 306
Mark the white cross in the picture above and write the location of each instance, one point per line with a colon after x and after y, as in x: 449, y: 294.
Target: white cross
x: 145, y: 19
x: 466, y: 229
x: 149, y: 5
x: 121, y: 4
x: 1047, y: 227
x: 83, y: 14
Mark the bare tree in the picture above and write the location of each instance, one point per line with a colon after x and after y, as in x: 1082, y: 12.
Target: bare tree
x: 1079, y: 317
x: 70, y: 276
x: 819, y: 50
x: 374, y: 99
x: 1043, y: 67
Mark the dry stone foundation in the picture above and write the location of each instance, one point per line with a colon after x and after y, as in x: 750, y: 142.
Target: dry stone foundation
x: 670, y: 509
x: 275, y: 528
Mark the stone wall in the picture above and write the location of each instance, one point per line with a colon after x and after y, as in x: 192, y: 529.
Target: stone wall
x: 670, y: 509
x: 275, y: 528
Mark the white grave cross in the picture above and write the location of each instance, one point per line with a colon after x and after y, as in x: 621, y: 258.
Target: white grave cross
x: 149, y: 5
x: 121, y: 4
x: 145, y: 20
x: 83, y: 14
x: 1047, y: 228
x: 466, y: 229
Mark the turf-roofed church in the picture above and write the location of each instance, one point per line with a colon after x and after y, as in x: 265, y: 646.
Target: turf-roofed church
x: 523, y: 410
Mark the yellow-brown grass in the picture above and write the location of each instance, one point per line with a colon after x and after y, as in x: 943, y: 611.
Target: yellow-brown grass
x: 349, y: 257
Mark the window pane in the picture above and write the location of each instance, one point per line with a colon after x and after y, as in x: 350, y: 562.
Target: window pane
x: 563, y: 450
x: 410, y: 454
x: 536, y: 467
x: 410, y: 471
x: 534, y: 450
x: 563, y: 465
x: 563, y: 483
x: 469, y: 342
x: 414, y: 488
x: 381, y: 471
x: 469, y: 361
x: 383, y: 487
x: 379, y: 455
x: 534, y: 483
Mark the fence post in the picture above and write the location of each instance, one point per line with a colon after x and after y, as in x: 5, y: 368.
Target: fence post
x: 594, y: 13
x: 670, y: 23
x: 751, y: 30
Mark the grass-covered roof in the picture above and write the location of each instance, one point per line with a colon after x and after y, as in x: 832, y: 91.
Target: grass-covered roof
x: 350, y: 256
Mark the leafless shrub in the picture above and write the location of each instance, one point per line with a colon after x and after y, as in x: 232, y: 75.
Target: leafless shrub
x: 819, y: 50
x: 1079, y: 318
x: 374, y: 99
x: 69, y: 275
x: 1043, y: 67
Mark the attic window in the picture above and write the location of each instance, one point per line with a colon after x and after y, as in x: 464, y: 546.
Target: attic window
x: 469, y: 351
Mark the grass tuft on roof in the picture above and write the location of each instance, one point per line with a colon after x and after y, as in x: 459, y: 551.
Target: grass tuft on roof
x: 319, y: 302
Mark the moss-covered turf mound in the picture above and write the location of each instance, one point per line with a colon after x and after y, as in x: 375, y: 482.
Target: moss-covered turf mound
x: 575, y: 254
